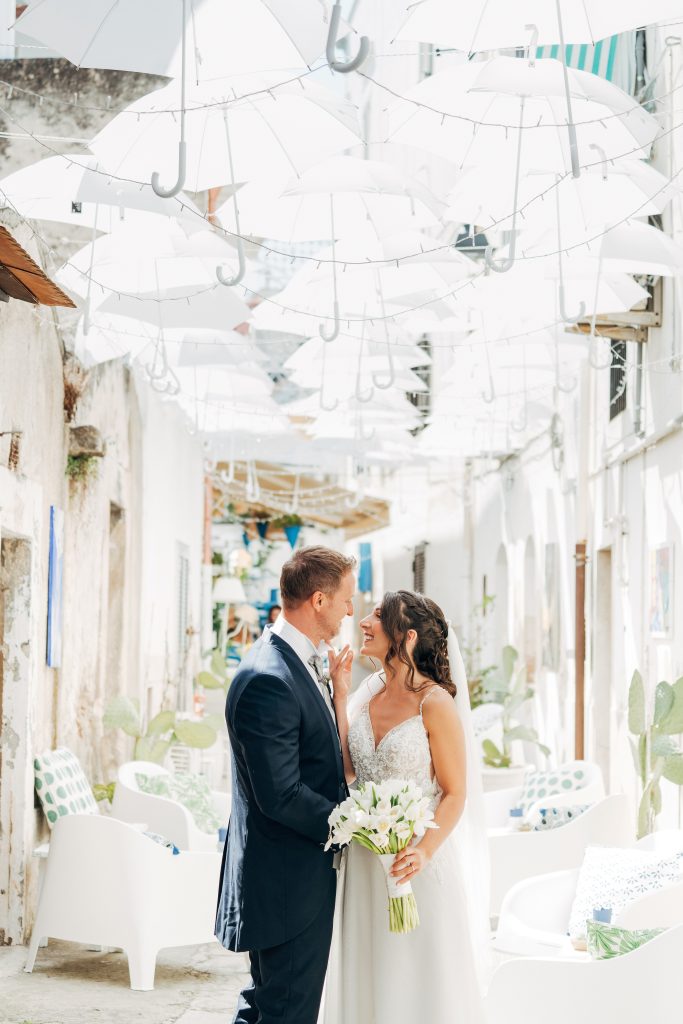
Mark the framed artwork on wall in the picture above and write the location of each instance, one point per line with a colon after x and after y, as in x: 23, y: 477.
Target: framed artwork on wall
x: 54, y: 588
x: 661, y: 591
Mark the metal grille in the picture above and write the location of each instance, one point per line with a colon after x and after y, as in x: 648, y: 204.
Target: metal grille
x: 419, y: 559
x: 617, y: 379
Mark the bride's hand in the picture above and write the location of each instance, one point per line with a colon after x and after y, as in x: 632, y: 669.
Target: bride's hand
x: 408, y: 863
x: 340, y: 672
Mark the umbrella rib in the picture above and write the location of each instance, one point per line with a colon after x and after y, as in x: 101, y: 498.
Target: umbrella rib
x: 274, y: 134
x: 97, y: 32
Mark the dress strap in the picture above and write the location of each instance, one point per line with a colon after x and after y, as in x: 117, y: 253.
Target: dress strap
x: 428, y: 694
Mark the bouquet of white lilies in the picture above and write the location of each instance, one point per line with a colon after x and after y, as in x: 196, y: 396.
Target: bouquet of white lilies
x: 383, y: 817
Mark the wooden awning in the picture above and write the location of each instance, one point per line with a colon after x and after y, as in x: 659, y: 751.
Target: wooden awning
x: 322, y: 502
x: 22, y: 278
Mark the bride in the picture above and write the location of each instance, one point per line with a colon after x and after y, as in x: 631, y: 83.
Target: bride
x: 404, y: 723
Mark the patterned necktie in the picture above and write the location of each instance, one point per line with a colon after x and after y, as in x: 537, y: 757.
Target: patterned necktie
x: 316, y: 663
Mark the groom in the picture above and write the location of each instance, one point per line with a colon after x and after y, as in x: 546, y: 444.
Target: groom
x: 277, y: 887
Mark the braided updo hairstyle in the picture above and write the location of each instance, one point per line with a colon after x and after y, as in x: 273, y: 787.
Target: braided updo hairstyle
x: 402, y: 610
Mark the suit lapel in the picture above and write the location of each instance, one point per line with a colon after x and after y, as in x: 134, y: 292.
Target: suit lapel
x: 299, y: 670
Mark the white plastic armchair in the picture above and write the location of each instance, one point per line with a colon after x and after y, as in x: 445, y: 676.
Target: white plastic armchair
x: 518, y: 855
x: 159, y: 814
x: 636, y: 987
x: 535, y: 913
x: 108, y: 884
x: 498, y: 802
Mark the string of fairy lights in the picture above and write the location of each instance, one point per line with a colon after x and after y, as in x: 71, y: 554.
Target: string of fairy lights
x: 355, y: 320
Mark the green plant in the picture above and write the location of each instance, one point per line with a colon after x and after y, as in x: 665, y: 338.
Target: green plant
x: 655, y: 754
x: 216, y: 677
x: 510, y: 689
x: 104, y: 791
x: 288, y: 519
x: 477, y: 674
x: 82, y: 467
x: 165, y: 730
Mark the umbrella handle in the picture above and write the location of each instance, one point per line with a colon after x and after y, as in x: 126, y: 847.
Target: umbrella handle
x: 366, y: 435
x: 593, y: 363
x: 503, y: 266
x: 356, y: 61
x: 385, y: 385
x: 358, y: 394
x: 522, y: 425
x: 168, y: 193
x: 533, y: 44
x: 563, y: 312
x: 242, y: 266
x: 334, y: 333
x: 603, y: 158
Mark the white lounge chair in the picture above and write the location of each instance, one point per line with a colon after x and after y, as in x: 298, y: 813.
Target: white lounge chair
x: 636, y: 987
x: 498, y: 802
x: 160, y: 814
x: 107, y: 884
x: 535, y: 913
x: 518, y: 855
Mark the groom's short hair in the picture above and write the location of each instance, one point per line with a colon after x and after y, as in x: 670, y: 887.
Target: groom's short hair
x: 312, y: 569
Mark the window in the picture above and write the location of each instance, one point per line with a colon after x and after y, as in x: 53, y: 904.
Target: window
x: 419, y: 559
x: 617, y: 379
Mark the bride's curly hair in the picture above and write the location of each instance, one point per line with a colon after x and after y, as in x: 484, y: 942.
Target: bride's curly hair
x: 402, y: 610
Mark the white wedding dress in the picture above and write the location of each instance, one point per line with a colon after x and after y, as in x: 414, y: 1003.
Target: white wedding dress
x: 428, y: 975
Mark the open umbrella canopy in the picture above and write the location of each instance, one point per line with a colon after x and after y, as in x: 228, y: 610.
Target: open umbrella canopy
x: 498, y: 24
x: 73, y: 189
x: 145, y: 35
x: 271, y: 133
x: 342, y: 194
x: 183, y: 306
x: 508, y: 93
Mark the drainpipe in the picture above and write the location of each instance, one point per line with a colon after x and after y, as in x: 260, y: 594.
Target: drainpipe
x: 580, y: 650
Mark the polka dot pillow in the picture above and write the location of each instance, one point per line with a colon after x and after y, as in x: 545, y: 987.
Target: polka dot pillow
x: 61, y: 786
x: 538, y: 785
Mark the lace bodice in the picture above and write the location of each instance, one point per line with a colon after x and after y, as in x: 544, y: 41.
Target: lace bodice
x: 403, y: 753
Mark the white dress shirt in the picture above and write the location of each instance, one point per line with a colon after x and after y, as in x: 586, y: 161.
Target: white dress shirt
x: 302, y: 646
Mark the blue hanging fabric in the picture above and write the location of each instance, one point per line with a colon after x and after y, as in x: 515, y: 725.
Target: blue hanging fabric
x: 365, y: 568
x: 292, y: 535
x: 262, y: 528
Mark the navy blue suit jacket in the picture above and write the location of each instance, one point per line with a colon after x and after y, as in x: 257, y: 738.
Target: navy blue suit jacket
x: 287, y: 776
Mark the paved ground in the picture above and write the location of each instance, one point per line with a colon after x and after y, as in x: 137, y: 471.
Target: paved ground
x: 70, y: 985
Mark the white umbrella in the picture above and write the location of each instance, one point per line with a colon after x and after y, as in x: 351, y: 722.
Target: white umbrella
x: 633, y: 248
x: 216, y: 308
x: 496, y: 91
x: 363, y: 191
x: 603, y: 194
x: 70, y: 189
x: 145, y: 35
x: 201, y: 38
x: 271, y: 134
x: 527, y: 100
x: 499, y: 24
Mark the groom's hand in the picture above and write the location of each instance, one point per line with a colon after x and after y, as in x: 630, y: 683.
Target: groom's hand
x: 340, y: 671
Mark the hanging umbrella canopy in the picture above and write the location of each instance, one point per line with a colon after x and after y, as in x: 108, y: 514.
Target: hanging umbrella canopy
x: 131, y: 260
x: 508, y: 97
x: 633, y: 248
x: 604, y: 194
x: 70, y: 190
x: 216, y: 307
x: 499, y: 24
x: 314, y: 351
x: 361, y: 192
x: 145, y: 35
x: 272, y: 134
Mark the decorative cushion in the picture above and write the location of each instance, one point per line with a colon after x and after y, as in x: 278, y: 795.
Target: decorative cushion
x: 554, y: 817
x: 187, y: 788
x: 607, y: 940
x: 538, y: 785
x: 614, y: 877
x: 61, y: 785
